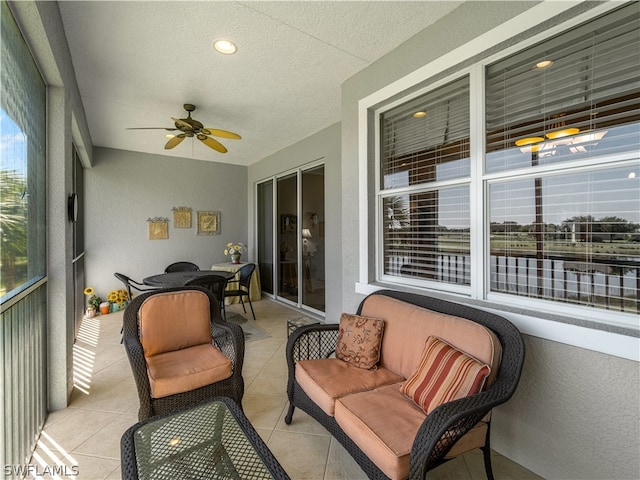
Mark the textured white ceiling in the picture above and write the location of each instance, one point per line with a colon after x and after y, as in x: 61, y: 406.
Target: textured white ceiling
x: 138, y: 62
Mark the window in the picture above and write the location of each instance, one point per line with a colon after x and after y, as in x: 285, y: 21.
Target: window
x: 563, y: 135
x: 558, y: 183
x: 425, y: 186
x: 22, y: 171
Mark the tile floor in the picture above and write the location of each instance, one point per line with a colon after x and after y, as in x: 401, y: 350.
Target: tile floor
x: 85, y: 437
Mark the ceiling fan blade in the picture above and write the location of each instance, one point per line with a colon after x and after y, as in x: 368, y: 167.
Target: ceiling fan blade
x: 221, y: 133
x: 180, y: 121
x: 212, y: 143
x: 174, y: 141
x: 152, y: 128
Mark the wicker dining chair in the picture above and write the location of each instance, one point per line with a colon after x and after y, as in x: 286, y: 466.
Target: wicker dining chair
x: 129, y: 285
x: 243, y: 286
x: 216, y: 284
x: 182, y: 267
x: 181, y: 351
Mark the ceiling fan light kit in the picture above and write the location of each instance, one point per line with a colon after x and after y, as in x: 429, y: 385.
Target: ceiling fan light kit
x: 193, y: 128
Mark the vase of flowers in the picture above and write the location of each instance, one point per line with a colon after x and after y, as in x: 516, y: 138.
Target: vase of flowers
x: 235, y: 251
x: 118, y: 300
x: 94, y: 302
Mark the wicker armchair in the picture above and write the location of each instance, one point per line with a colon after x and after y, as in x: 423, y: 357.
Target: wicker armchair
x: 149, y: 309
x: 445, y: 425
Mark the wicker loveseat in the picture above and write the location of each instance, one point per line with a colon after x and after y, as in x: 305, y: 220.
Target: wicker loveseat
x: 388, y: 434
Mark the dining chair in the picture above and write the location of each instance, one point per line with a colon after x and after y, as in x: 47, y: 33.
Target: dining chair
x: 182, y: 267
x: 216, y: 284
x: 129, y: 284
x: 244, y: 286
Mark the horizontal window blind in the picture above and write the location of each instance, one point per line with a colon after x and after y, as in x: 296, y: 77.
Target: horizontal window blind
x: 426, y: 235
x: 577, y: 105
x: 427, y: 138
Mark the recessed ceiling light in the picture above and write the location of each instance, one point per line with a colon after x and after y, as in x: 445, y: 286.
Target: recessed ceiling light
x: 420, y: 114
x: 225, y: 47
x: 544, y: 64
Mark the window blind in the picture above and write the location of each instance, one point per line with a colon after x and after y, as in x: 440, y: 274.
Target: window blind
x: 589, y: 94
x: 427, y: 138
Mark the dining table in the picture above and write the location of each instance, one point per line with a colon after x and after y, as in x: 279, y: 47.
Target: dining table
x: 180, y: 279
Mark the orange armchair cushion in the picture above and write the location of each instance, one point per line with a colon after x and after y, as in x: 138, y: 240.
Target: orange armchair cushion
x: 187, y: 369
x: 174, y: 320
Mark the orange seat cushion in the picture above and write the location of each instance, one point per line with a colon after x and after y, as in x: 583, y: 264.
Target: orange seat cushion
x: 325, y: 380
x: 384, y: 422
x: 187, y: 369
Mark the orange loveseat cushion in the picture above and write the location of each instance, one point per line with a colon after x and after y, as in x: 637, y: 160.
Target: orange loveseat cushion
x: 407, y: 327
x: 174, y: 320
x: 384, y: 423
x: 187, y: 369
x: 324, y: 380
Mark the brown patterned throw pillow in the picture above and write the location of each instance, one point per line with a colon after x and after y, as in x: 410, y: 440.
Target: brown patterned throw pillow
x: 359, y: 340
x: 444, y: 374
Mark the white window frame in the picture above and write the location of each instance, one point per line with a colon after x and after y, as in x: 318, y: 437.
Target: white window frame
x: 528, y: 319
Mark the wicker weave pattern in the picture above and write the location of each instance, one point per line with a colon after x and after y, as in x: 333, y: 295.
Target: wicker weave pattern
x: 446, y: 424
x: 228, y: 337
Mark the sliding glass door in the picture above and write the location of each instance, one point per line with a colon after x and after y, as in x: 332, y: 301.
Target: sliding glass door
x: 312, y: 233
x: 287, y: 242
x: 291, y: 237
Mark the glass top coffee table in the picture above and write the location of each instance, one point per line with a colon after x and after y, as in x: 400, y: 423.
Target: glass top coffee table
x: 210, y: 440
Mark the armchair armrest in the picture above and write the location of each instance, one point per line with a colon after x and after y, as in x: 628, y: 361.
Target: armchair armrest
x: 229, y: 338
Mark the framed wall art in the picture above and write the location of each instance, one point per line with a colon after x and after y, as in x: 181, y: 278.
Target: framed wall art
x: 181, y: 217
x: 158, y: 228
x: 208, y: 223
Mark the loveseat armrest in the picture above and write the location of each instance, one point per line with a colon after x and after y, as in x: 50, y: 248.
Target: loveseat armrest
x: 309, y: 342
x: 449, y: 422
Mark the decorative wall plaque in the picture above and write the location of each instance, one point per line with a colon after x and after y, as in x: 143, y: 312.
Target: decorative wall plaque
x: 208, y: 223
x: 181, y: 217
x: 158, y: 228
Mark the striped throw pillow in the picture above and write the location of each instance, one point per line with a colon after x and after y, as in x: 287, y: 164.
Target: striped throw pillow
x: 444, y: 374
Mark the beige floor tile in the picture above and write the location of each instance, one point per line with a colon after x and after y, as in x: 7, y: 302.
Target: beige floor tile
x: 340, y: 465
x: 455, y: 469
x: 263, y: 411
x: 303, y: 456
x: 106, y: 442
x: 502, y: 467
x: 118, y: 372
x: 300, y: 423
x: 96, y: 468
x: 76, y: 428
x: 107, y: 397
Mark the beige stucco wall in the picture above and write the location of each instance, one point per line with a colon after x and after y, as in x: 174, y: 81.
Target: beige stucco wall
x: 125, y: 188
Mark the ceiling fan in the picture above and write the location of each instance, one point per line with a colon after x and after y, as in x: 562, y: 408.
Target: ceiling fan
x: 190, y: 127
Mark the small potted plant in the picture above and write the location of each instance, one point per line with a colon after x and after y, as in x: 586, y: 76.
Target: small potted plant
x: 94, y: 302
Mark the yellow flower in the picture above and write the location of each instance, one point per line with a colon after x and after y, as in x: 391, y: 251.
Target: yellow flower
x: 89, y: 291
